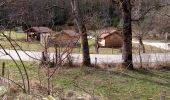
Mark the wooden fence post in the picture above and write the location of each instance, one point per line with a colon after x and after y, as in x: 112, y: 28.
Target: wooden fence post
x: 3, y: 69
x: 95, y: 65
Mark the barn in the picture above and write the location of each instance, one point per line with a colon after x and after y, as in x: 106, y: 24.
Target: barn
x: 39, y: 34
x: 66, y: 37
x: 110, y: 39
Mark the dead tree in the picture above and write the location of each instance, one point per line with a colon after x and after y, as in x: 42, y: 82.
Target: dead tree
x: 140, y: 35
x: 97, y: 44
x: 83, y: 32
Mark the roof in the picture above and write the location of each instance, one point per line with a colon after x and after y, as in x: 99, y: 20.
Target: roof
x: 108, y: 33
x: 105, y: 30
x: 104, y: 35
x: 70, y: 32
x: 39, y: 29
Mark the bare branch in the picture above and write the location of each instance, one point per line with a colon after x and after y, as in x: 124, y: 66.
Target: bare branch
x: 19, y: 69
x: 149, y: 10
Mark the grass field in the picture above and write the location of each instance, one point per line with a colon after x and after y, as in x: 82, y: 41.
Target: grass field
x: 108, y: 85
x: 14, y: 35
x: 36, y: 46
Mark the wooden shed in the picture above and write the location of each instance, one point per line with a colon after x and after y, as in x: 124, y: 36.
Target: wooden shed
x: 66, y: 37
x: 39, y: 34
x: 110, y: 39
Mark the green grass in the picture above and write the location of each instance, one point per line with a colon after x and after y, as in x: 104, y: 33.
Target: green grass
x: 14, y: 35
x: 130, y: 85
x: 109, y: 85
x: 38, y: 47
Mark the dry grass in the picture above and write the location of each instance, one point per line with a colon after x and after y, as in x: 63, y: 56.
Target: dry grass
x: 35, y: 46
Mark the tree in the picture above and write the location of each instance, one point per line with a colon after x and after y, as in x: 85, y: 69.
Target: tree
x: 83, y: 33
x: 127, y: 34
x: 127, y: 28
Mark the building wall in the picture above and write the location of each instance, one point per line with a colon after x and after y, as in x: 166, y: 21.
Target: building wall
x: 114, y: 41
x: 44, y: 37
x: 64, y: 39
x: 101, y: 42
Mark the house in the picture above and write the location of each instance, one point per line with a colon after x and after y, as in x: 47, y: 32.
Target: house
x: 66, y: 37
x: 39, y: 34
x: 110, y: 39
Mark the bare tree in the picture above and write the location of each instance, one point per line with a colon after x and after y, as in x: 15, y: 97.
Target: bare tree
x: 127, y: 34
x: 83, y: 32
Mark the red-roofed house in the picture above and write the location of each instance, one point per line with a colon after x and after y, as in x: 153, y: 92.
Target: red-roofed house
x: 111, y: 39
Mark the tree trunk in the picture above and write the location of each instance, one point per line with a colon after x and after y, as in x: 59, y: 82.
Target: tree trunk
x: 96, y: 45
x: 141, y: 43
x: 83, y: 33
x: 127, y: 35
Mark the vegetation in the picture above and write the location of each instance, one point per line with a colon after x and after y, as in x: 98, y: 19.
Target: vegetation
x: 83, y: 31
x: 53, y: 77
x: 108, y: 85
x: 14, y: 35
x: 36, y: 46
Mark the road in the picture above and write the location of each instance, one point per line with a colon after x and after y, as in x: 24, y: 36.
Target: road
x: 117, y: 58
x: 160, y: 45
